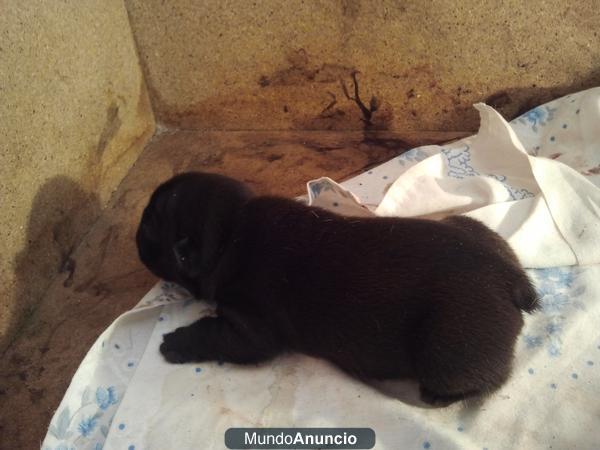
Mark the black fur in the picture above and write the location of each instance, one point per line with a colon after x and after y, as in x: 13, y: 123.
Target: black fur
x: 438, y: 301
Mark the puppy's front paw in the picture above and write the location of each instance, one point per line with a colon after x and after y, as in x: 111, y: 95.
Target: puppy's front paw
x: 176, y: 347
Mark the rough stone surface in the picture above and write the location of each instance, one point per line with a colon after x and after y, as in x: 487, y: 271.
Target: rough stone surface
x: 231, y: 65
x: 105, y: 277
x: 74, y: 116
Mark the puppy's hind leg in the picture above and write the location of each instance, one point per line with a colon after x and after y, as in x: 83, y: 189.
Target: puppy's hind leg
x: 219, y: 339
x: 462, y: 359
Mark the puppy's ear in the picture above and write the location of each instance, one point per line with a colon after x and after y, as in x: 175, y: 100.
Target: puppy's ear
x: 188, y: 257
x: 222, y: 214
x: 215, y: 232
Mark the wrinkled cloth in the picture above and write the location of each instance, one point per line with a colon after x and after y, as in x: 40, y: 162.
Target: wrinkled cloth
x: 534, y: 181
x: 548, y: 211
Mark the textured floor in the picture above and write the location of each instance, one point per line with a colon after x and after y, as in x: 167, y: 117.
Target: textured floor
x: 103, y: 278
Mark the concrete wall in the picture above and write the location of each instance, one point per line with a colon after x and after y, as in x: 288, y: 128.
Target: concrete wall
x: 74, y: 116
x: 273, y: 64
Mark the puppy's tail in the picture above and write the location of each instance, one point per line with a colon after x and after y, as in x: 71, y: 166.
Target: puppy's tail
x: 524, y: 295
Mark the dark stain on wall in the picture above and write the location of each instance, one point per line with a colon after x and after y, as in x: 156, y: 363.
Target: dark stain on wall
x: 301, y: 72
x: 61, y: 212
x: 307, y: 93
x: 110, y: 129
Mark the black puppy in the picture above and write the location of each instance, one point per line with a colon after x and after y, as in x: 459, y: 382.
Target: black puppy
x: 380, y: 297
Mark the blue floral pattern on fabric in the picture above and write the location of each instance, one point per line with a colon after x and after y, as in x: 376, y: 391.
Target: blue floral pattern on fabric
x: 414, y: 155
x: 60, y: 428
x: 515, y: 194
x: 539, y: 116
x: 86, y: 421
x: 320, y: 186
x: 459, y: 166
x: 558, y: 290
x: 87, y: 425
x: 533, y: 341
x: 459, y: 162
x: 169, y: 292
x: 106, y: 397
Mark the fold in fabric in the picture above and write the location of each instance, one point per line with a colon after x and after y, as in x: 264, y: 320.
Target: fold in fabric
x: 547, y: 211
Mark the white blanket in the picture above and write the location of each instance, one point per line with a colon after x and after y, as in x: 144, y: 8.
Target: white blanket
x: 534, y: 181
x: 547, y: 211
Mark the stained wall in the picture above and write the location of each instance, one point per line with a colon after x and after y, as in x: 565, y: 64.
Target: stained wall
x: 74, y: 116
x: 271, y: 64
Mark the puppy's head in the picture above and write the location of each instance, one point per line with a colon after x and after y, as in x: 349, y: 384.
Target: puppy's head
x: 186, y: 226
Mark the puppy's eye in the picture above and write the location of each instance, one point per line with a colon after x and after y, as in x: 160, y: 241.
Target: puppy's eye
x: 181, y: 249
